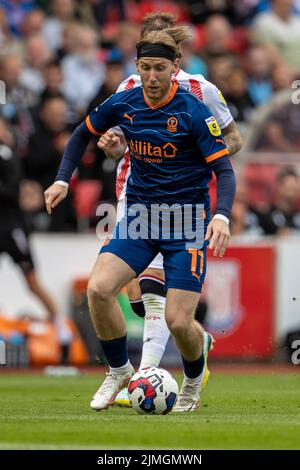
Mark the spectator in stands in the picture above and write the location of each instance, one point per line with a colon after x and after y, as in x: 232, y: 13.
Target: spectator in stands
x: 45, y: 149
x: 15, y: 13
x: 83, y: 70
x: 259, y: 69
x: 114, y: 75
x: 33, y: 23
x: 219, y: 69
x: 279, y: 30
x: 191, y: 62
x: 218, y: 37
x: 47, y: 144
x: 282, y: 78
x: 85, y: 12
x: 18, y: 100
x: 4, y: 32
x: 201, y: 11
x: 238, y: 100
x: 37, y: 55
x: 281, y: 130
x: 244, y: 220
x: 95, y: 164
x: 63, y: 12
x: 283, y: 217
x: 125, y: 45
x: 8, y: 42
x: 237, y: 12
x: 101, y: 9
x: 53, y: 80
x: 69, y: 40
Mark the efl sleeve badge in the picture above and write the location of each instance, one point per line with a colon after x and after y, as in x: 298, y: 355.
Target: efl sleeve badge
x: 213, y: 126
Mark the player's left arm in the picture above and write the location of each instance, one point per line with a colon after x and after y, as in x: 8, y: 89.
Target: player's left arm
x: 218, y: 231
x: 216, y: 102
x: 95, y: 123
x: 214, y: 151
x: 233, y: 138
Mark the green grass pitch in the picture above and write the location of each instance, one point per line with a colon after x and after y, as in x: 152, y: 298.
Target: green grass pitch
x: 237, y: 412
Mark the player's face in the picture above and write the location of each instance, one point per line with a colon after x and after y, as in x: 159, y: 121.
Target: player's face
x: 156, y: 75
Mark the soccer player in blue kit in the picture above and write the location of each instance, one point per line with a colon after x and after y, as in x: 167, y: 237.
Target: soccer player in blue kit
x: 175, y: 145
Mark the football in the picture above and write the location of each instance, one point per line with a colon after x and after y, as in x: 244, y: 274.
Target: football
x: 153, y: 391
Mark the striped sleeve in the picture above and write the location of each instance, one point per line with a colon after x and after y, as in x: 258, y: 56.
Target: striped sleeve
x: 130, y: 82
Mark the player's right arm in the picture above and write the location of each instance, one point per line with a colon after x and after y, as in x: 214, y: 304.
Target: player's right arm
x: 96, y: 122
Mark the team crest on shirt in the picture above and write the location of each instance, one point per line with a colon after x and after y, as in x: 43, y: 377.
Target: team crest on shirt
x: 172, y: 124
x: 213, y: 126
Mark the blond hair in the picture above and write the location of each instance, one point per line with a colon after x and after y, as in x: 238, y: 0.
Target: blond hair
x: 170, y: 37
x: 157, y: 21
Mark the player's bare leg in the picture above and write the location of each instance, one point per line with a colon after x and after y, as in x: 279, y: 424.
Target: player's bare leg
x: 190, y: 340
x: 187, y: 332
x: 109, y: 275
x: 147, y: 299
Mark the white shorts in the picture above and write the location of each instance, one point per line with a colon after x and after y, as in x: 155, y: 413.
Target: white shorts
x: 158, y: 261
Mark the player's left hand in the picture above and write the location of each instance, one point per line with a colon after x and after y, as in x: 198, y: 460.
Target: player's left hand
x: 218, y: 234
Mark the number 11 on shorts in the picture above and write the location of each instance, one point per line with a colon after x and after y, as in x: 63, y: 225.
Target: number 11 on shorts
x: 196, y: 260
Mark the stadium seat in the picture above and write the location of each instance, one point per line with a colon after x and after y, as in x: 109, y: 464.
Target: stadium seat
x: 87, y: 195
x: 261, y: 183
x: 164, y: 5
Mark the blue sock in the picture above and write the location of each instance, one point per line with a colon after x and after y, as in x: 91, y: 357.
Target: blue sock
x: 115, y: 351
x: 193, y: 369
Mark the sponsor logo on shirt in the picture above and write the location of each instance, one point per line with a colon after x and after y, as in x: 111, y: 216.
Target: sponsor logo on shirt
x: 139, y: 147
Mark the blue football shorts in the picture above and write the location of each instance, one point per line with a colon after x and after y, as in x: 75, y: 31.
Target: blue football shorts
x: 184, y: 267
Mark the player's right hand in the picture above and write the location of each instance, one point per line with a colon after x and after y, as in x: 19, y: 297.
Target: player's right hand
x: 113, y: 145
x: 218, y: 234
x: 54, y: 195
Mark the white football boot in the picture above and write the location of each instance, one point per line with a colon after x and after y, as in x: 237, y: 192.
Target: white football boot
x: 106, y: 394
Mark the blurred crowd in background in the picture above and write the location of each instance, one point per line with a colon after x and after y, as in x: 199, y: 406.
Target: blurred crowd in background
x: 61, y: 58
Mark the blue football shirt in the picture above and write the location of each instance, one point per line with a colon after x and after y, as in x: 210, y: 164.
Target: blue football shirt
x: 171, y: 144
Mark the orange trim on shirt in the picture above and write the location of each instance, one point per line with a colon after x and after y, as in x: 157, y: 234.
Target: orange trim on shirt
x: 164, y: 102
x: 90, y: 127
x: 216, y: 155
